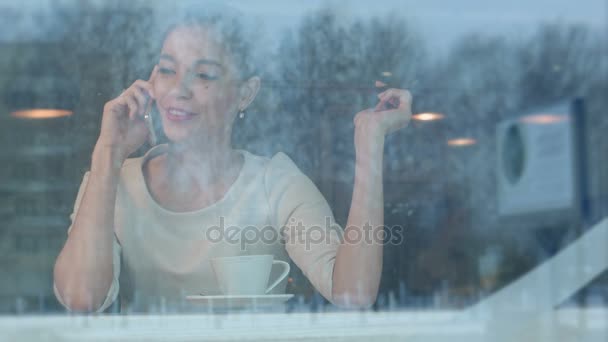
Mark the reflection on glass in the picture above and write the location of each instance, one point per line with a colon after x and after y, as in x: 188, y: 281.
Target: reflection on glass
x: 544, y: 119
x: 428, y: 116
x: 41, y: 113
x: 461, y: 142
x: 318, y: 69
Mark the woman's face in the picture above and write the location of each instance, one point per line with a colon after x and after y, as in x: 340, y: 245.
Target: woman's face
x: 196, y: 87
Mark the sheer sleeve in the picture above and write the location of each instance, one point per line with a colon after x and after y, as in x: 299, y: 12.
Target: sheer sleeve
x: 307, y: 224
x: 116, y: 249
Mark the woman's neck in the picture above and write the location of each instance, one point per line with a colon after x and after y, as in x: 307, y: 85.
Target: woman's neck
x: 201, y: 165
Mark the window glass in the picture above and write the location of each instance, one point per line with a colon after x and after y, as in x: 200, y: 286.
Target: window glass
x: 471, y: 134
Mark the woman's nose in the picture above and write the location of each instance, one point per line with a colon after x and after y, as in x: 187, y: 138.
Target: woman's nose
x: 182, y: 87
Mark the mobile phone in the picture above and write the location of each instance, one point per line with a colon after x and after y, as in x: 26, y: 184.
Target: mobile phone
x: 148, y: 118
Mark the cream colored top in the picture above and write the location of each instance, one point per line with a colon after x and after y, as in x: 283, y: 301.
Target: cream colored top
x: 160, y: 255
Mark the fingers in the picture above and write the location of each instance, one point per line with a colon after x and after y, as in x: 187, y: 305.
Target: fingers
x: 138, y: 97
x: 387, y: 103
x: 132, y: 105
x: 142, y: 99
x: 152, y: 75
x: 144, y: 86
x: 394, y: 99
x: 147, y: 90
x: 395, y: 107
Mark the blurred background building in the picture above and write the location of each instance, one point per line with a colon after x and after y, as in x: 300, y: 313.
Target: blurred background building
x: 441, y: 186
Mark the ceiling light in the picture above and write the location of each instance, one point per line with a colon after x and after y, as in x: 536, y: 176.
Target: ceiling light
x: 41, y: 113
x: 462, y: 142
x: 40, y: 97
x: 543, y: 119
x: 428, y: 116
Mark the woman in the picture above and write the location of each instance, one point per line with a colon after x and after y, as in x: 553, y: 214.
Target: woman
x: 152, y: 212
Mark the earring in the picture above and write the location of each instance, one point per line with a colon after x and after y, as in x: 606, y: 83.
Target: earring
x: 242, y: 114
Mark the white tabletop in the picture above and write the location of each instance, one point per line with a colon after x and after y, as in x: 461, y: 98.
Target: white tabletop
x: 523, y: 311
x: 565, y: 324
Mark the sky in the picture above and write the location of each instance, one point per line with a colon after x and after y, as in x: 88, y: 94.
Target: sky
x: 443, y: 21
x: 440, y: 21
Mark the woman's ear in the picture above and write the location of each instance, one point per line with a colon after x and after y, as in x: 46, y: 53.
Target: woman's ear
x: 248, y: 92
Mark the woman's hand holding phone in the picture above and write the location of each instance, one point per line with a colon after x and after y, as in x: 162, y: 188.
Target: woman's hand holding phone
x: 124, y: 128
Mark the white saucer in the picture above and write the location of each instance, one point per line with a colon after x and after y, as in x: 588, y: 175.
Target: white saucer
x: 240, y: 301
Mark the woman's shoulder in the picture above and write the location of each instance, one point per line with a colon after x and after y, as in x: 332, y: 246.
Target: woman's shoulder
x: 277, y: 166
x: 280, y: 171
x: 286, y: 184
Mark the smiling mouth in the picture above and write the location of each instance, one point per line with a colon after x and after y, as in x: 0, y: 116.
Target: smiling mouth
x: 175, y: 114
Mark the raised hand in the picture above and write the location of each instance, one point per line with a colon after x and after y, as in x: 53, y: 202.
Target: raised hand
x: 393, y: 112
x: 123, y: 127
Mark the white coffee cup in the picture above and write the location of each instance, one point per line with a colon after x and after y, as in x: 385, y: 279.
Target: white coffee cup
x: 246, y: 275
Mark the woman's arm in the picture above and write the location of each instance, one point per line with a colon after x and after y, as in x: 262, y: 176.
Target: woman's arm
x: 84, y: 269
x: 358, y: 264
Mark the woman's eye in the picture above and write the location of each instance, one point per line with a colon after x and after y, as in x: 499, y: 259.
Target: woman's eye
x: 166, y: 71
x: 206, y: 77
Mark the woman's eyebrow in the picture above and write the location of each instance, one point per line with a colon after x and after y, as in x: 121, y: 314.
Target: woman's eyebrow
x: 167, y: 57
x: 208, y: 62
x: 202, y: 61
